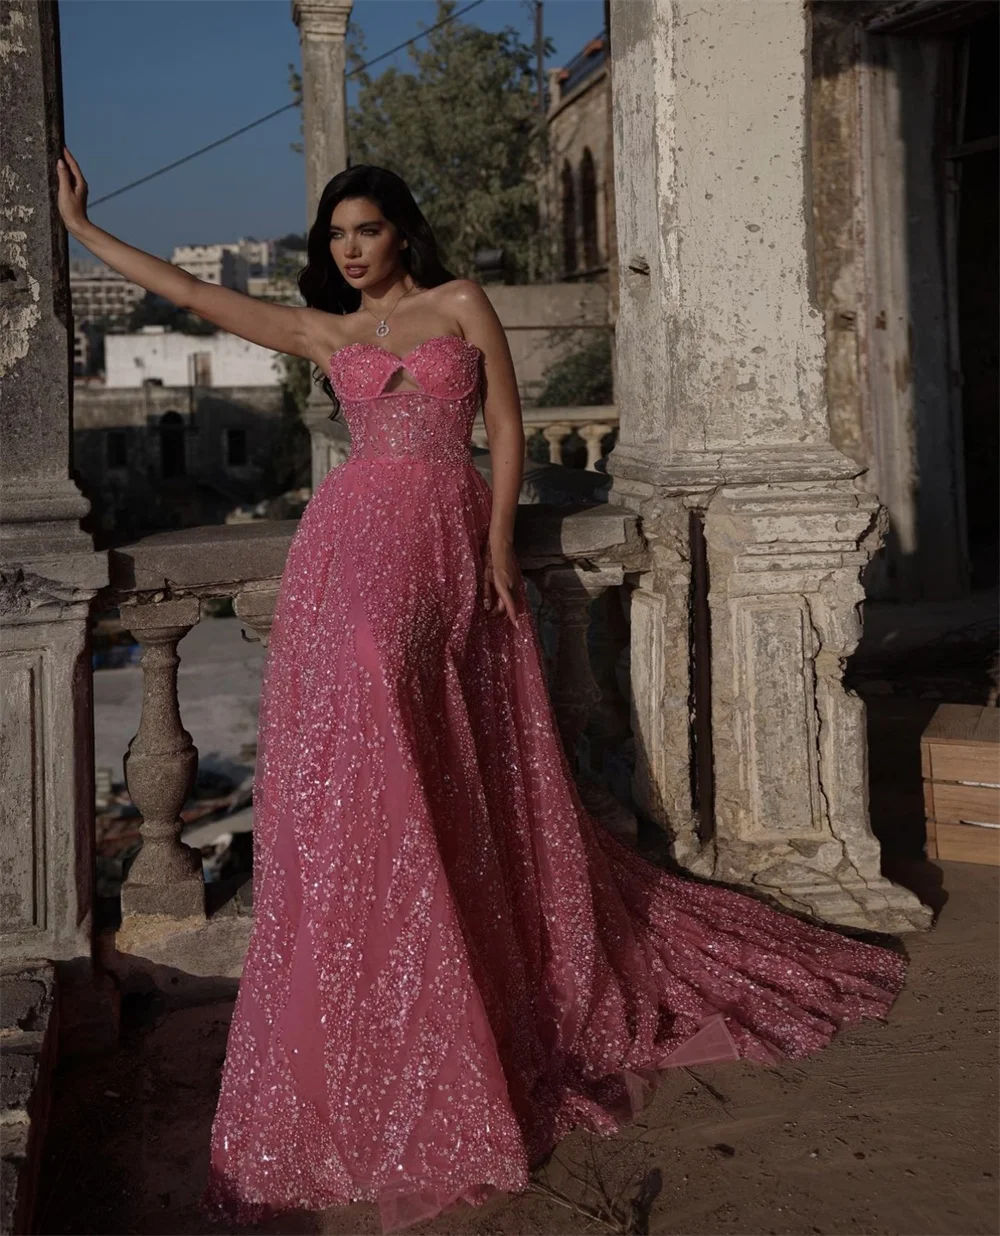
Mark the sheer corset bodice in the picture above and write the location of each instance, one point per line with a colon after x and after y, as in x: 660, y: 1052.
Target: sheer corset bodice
x: 431, y: 421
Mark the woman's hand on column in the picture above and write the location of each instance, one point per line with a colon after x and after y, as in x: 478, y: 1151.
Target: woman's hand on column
x: 72, y: 193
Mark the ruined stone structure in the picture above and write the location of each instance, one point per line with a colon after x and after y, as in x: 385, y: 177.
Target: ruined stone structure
x: 739, y: 520
x: 751, y: 753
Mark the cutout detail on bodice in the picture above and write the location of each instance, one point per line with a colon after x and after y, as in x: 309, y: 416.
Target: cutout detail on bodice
x: 442, y: 367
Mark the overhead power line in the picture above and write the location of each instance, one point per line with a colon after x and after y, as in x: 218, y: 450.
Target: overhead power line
x: 277, y: 111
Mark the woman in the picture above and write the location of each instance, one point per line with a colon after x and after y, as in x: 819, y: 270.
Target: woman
x: 451, y: 965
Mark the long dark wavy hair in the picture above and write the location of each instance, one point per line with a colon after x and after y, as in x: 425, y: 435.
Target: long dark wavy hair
x: 320, y: 281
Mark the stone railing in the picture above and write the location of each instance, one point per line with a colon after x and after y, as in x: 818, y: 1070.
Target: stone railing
x: 595, y: 425
x: 572, y: 558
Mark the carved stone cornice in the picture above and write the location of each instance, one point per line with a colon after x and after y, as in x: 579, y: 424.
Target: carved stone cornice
x: 322, y: 19
x: 641, y: 470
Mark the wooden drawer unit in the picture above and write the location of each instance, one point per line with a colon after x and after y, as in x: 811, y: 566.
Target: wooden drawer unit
x: 960, y: 762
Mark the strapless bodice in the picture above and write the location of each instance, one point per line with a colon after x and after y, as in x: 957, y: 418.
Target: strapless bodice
x: 433, y: 422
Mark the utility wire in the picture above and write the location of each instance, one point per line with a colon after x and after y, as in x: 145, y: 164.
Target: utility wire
x: 277, y: 111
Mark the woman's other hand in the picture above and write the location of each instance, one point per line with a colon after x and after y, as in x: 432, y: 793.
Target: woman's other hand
x: 500, y: 572
x: 72, y: 193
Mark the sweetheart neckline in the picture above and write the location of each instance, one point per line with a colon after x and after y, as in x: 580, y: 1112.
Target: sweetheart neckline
x: 364, y: 343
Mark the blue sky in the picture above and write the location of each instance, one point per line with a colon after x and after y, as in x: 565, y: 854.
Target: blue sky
x: 146, y: 82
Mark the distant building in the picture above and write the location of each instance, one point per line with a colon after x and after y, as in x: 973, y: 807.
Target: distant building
x: 282, y: 290
x: 175, y: 359
x: 81, y: 352
x: 97, y: 291
x: 578, y: 198
x: 259, y: 255
x: 155, y: 457
x: 223, y: 264
x: 85, y: 340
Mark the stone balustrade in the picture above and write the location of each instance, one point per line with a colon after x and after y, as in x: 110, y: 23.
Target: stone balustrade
x: 571, y: 556
x: 595, y: 425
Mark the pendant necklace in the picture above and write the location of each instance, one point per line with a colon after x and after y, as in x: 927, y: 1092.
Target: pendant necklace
x: 383, y: 323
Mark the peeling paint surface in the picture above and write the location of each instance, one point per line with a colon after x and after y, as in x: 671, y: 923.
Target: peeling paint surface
x: 11, y: 40
x: 19, y: 313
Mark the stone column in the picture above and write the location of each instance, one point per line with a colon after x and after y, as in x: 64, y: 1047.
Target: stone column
x: 48, y: 570
x: 322, y: 31
x: 724, y: 450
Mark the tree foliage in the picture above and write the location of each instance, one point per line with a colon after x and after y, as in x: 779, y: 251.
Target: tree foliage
x: 463, y: 130
x: 581, y: 377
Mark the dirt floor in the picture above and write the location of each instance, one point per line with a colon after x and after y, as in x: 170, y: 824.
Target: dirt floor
x: 891, y: 1130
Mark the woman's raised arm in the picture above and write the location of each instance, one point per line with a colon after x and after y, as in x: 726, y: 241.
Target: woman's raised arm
x: 282, y: 328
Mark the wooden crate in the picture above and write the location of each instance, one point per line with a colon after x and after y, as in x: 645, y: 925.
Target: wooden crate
x: 960, y: 762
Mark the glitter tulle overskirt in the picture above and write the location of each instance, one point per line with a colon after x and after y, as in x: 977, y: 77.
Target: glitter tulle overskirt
x: 451, y: 965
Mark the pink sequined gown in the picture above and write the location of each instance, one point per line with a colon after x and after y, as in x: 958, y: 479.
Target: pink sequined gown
x: 451, y: 964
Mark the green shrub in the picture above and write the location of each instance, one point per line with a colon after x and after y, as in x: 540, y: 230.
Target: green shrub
x: 580, y: 378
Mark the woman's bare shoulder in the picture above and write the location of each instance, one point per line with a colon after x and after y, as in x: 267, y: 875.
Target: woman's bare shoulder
x: 466, y: 301
x: 466, y: 292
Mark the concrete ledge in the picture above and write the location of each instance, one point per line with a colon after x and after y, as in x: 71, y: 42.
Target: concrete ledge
x: 223, y: 559
x: 218, y: 557
x: 187, y: 959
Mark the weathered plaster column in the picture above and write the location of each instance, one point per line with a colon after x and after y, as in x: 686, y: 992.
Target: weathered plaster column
x: 750, y: 752
x: 322, y: 31
x: 48, y: 570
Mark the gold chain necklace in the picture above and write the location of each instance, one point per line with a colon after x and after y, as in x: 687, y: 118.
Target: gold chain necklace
x: 383, y: 323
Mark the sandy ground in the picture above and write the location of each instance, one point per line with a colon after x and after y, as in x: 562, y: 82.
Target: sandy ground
x: 891, y: 1130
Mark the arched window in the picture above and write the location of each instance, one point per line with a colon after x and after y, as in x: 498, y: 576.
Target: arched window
x: 568, y: 219
x: 172, y: 455
x: 588, y: 210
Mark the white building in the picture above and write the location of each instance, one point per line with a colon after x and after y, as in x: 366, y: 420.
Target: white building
x: 259, y: 255
x: 97, y: 291
x: 221, y: 264
x: 176, y: 359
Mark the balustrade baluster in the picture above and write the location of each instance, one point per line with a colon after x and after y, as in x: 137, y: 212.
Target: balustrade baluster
x: 593, y: 436
x: 555, y: 435
x: 160, y: 768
